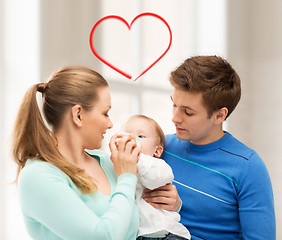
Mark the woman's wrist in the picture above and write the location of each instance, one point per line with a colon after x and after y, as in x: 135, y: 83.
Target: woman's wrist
x: 126, y: 184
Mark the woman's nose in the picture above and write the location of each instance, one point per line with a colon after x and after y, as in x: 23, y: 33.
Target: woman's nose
x: 110, y: 124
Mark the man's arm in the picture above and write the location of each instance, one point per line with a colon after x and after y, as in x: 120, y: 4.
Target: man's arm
x: 165, y: 197
x: 255, y: 202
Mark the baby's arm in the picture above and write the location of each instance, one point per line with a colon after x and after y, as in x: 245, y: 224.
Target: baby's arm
x: 153, y: 172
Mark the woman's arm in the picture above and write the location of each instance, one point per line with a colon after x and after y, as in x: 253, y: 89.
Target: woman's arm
x: 46, y: 196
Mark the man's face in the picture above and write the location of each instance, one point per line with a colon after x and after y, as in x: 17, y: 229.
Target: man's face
x: 191, y: 119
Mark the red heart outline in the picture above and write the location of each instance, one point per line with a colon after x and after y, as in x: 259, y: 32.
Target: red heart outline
x: 129, y: 27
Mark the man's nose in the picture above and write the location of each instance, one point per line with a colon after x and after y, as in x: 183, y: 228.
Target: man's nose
x: 176, y: 116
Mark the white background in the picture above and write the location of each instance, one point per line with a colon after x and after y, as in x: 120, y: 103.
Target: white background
x: 37, y: 37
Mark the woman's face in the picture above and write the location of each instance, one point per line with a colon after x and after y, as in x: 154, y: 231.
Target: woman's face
x: 96, y: 121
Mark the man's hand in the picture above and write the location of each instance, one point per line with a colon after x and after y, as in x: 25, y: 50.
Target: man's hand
x: 165, y: 197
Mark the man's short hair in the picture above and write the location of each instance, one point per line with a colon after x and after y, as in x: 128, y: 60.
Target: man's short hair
x: 212, y: 76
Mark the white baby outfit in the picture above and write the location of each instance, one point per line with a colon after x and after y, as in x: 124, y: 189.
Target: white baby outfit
x: 153, y: 173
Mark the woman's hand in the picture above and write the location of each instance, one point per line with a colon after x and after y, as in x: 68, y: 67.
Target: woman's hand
x: 124, y: 154
x: 165, y: 197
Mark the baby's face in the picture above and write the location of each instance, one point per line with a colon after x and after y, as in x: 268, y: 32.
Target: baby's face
x: 146, y: 134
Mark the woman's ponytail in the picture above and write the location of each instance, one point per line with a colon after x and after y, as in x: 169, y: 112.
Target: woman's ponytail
x: 32, y: 139
x: 26, y: 128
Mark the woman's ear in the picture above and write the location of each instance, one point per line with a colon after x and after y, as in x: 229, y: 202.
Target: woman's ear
x: 158, y: 152
x: 220, y: 115
x: 76, y: 115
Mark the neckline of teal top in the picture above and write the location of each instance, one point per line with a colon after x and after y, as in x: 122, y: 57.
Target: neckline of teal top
x: 97, y: 155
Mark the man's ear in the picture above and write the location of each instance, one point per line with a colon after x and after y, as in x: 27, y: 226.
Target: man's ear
x: 76, y: 115
x: 220, y: 115
x: 158, y: 152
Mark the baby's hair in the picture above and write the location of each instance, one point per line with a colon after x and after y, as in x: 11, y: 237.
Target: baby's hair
x: 156, y: 126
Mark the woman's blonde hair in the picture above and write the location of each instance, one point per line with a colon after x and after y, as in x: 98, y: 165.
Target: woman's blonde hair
x: 32, y: 139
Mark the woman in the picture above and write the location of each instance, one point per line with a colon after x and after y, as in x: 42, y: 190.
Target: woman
x: 65, y: 191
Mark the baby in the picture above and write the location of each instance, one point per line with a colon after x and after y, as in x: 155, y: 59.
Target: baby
x: 153, y: 172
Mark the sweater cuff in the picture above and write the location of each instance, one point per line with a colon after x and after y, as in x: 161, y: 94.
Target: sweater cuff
x: 180, y: 206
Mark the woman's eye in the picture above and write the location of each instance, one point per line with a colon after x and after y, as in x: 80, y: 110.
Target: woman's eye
x: 141, y: 136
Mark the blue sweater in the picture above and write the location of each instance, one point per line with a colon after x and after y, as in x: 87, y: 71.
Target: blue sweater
x: 225, y: 189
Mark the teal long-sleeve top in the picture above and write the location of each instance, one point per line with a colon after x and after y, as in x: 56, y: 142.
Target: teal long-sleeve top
x: 54, y: 208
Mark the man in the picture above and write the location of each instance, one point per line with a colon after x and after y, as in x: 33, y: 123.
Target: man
x: 224, y: 186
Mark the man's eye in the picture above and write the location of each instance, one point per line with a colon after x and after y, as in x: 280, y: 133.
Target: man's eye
x: 189, y: 114
x: 141, y: 136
